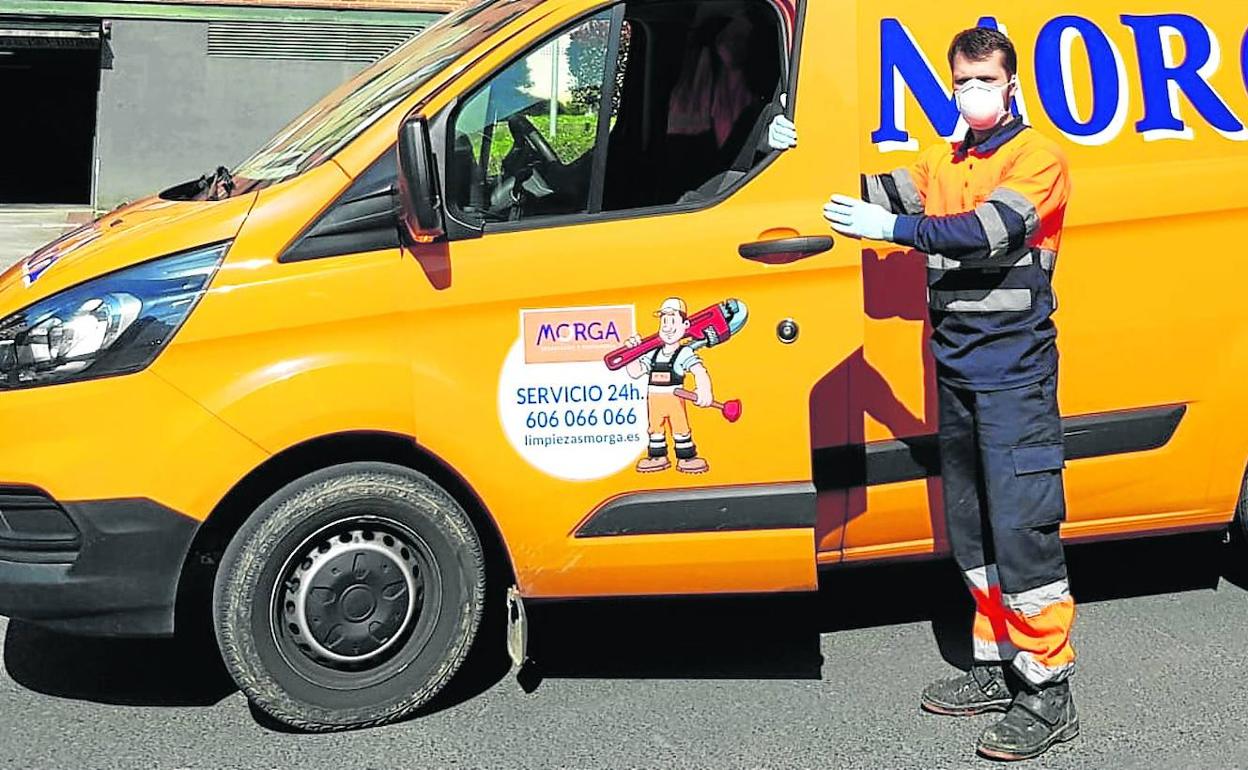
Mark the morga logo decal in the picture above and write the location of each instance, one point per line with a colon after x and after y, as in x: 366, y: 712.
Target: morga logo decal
x: 574, y: 334
x: 38, y: 263
x: 582, y: 395
x: 1177, y: 55
x: 561, y: 410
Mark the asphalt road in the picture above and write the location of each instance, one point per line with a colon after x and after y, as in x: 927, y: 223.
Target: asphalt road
x: 826, y: 681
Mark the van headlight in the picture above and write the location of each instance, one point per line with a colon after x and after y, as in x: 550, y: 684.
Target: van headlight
x: 115, y: 324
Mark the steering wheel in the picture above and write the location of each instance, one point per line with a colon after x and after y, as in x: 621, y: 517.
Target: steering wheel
x: 524, y: 131
x: 525, y: 170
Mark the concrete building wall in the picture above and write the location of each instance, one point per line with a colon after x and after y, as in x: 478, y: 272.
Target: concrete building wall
x: 169, y: 112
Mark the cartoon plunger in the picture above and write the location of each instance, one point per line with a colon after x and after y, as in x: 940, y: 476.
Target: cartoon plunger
x: 731, y: 409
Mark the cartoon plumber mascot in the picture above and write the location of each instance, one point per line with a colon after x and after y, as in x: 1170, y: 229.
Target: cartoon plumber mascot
x: 666, y: 369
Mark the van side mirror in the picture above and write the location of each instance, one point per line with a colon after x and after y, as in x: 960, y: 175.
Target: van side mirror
x: 419, y: 191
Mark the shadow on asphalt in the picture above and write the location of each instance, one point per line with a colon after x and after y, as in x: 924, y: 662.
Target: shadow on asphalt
x: 778, y: 637
x: 773, y: 637
x: 128, y: 672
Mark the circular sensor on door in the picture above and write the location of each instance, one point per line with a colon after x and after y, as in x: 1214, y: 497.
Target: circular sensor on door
x: 787, y: 331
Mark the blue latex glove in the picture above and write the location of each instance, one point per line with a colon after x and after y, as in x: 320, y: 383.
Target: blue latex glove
x: 859, y: 219
x: 782, y: 133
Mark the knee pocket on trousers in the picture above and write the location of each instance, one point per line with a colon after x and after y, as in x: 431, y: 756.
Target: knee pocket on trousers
x: 1038, y: 458
x: 1039, y: 494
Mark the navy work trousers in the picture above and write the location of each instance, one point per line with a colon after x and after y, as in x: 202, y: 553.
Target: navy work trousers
x: 1001, y: 460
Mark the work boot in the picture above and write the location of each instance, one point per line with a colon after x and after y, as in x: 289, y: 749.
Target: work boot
x: 1036, y: 720
x: 653, y: 464
x: 983, y: 688
x: 693, y: 465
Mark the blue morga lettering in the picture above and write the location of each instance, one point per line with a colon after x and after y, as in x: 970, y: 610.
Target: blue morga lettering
x: 1243, y: 59
x: 902, y: 64
x: 1056, y: 81
x: 34, y: 266
x: 1017, y: 105
x: 1162, y: 77
x: 1160, y: 40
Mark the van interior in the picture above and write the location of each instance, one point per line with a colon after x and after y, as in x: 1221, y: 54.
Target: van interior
x: 690, y: 101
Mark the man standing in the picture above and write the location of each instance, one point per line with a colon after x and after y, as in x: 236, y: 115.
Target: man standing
x: 988, y: 214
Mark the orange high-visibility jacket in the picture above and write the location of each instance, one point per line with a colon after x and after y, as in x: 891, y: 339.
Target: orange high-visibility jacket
x: 988, y: 214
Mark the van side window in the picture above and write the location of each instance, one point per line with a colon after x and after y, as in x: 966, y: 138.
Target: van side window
x: 688, y: 95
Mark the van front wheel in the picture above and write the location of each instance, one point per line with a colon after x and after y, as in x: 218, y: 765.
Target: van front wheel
x: 350, y: 597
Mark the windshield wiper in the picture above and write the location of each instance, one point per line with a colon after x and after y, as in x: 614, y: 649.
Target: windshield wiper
x: 219, y: 180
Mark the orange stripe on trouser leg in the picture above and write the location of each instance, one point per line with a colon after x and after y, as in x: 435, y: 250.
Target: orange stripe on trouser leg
x: 1043, y: 639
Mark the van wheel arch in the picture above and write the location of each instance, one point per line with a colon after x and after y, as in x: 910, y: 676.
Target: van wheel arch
x: 193, y: 610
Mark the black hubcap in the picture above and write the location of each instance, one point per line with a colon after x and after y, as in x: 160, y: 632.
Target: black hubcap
x: 357, y: 602
x: 352, y: 596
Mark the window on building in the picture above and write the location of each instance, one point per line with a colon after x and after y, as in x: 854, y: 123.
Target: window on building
x: 683, y: 87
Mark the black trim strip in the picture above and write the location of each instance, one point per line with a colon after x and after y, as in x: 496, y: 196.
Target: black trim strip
x: 364, y: 218
x: 721, y: 509
x: 792, y: 505
x: 795, y: 60
x: 912, y: 459
x: 890, y: 190
x: 606, y: 102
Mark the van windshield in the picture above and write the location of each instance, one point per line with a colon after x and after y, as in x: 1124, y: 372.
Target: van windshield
x: 343, y: 115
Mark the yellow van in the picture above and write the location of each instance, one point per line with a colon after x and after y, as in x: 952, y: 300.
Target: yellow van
x: 397, y: 361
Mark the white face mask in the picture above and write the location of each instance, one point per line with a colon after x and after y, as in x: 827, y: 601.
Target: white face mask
x: 982, y: 104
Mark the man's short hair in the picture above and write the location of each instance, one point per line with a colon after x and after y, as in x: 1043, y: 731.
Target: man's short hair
x: 980, y: 43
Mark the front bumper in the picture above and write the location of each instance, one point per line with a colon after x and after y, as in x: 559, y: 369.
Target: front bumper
x: 110, y: 568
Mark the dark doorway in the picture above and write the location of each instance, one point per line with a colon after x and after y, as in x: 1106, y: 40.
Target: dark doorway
x: 48, y: 130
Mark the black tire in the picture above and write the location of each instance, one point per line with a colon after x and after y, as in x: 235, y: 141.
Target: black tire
x: 350, y: 597
x: 1239, y: 525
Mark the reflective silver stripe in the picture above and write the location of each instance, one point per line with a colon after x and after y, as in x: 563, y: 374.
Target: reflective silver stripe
x: 994, y: 228
x: 993, y: 301
x: 909, y: 191
x: 1017, y: 259
x: 1020, y: 261
x: 1036, y: 672
x: 1048, y: 260
x: 876, y: 193
x: 986, y: 651
x: 941, y: 262
x: 1019, y: 205
x: 1037, y: 600
x: 982, y: 578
